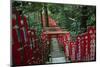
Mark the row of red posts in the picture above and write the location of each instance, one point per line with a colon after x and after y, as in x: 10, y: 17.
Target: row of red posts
x: 52, y: 22
x: 25, y: 47
x: 83, y: 48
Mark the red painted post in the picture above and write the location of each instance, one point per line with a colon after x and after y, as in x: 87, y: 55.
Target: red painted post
x: 92, y: 38
x: 78, y: 48
x: 87, y: 47
x: 16, y: 47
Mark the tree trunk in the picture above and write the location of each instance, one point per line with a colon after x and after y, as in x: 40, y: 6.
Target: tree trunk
x: 84, y: 18
x: 41, y: 18
x: 46, y: 15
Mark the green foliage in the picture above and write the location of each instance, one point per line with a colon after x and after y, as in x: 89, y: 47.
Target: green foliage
x: 67, y: 16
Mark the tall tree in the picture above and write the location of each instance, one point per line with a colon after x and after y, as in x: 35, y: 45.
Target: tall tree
x: 84, y: 18
x: 46, y: 14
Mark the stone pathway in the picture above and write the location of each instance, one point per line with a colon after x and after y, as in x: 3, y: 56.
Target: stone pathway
x: 57, y: 55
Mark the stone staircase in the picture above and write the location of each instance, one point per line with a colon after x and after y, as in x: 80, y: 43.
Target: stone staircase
x: 57, y: 55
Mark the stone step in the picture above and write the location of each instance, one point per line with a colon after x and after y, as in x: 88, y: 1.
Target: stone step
x: 57, y: 55
x: 58, y: 60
